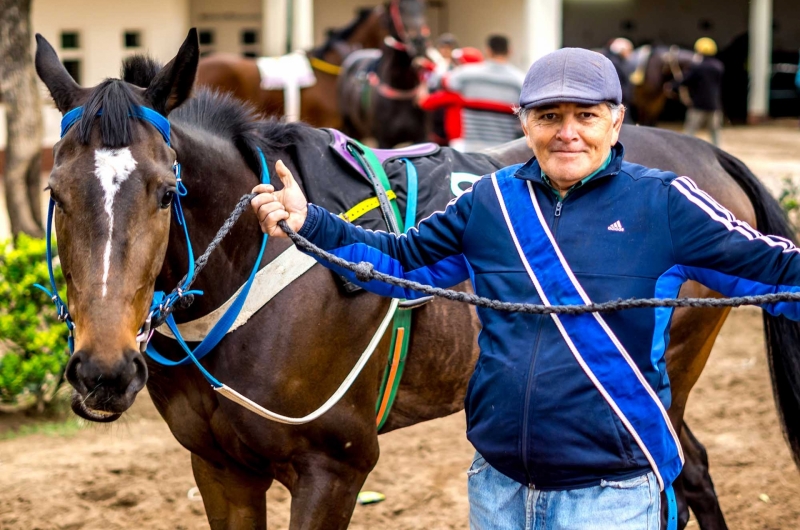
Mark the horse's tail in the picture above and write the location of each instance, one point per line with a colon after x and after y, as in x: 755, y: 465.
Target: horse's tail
x: 782, y: 335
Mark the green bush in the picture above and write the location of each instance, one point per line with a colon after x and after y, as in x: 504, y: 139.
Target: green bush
x: 33, y: 343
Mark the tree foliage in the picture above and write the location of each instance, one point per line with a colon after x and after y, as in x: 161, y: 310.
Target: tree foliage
x: 33, y: 346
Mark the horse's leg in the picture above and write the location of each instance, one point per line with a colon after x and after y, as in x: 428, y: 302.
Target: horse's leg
x: 324, y: 492
x: 234, y: 500
x: 697, y: 485
x: 693, y: 333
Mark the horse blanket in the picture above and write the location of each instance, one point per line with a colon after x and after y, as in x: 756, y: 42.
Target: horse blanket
x: 443, y: 173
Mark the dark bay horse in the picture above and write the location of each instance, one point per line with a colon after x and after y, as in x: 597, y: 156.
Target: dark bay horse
x: 293, y: 354
x: 378, y: 89
x: 240, y: 75
x: 653, y: 68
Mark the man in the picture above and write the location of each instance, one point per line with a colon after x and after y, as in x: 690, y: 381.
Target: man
x: 619, y: 52
x: 446, y: 44
x: 704, y: 82
x: 495, y: 82
x: 567, y: 413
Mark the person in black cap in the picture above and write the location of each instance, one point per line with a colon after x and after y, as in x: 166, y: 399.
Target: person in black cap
x: 567, y: 413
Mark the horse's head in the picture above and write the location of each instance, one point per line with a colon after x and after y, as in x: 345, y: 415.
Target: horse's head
x: 113, y: 183
x: 407, y: 25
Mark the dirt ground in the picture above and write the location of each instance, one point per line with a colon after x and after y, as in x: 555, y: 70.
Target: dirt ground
x: 132, y: 474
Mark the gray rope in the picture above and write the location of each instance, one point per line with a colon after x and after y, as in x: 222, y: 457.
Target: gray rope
x: 365, y: 272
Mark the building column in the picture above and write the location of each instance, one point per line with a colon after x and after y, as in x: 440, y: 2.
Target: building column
x: 274, y: 27
x: 760, y: 59
x: 302, y: 24
x: 543, y: 26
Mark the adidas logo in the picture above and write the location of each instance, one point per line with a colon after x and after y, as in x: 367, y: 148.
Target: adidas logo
x: 616, y: 226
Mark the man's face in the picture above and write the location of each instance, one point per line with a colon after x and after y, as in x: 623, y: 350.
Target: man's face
x: 446, y: 51
x: 571, y: 140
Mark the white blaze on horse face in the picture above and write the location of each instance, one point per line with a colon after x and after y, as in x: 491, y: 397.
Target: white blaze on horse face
x: 112, y: 167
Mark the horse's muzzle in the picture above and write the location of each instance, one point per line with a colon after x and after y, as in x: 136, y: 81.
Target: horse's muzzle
x: 104, y: 390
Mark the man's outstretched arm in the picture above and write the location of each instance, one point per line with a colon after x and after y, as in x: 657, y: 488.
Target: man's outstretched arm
x: 429, y: 254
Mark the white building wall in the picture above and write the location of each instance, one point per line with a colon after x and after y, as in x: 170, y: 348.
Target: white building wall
x: 227, y: 20
x: 101, y: 23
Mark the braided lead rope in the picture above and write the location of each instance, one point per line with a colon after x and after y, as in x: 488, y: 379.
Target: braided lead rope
x: 365, y: 272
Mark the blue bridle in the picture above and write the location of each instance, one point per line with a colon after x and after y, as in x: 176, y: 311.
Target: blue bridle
x: 162, y: 302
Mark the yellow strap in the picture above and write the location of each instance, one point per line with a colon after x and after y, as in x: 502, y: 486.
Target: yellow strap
x: 324, y: 66
x: 367, y: 205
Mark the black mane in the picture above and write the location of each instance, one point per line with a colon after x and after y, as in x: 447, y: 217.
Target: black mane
x: 226, y: 117
x: 116, y: 99
x: 140, y: 70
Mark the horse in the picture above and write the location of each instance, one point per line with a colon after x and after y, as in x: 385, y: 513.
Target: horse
x: 378, y: 89
x: 240, y: 75
x: 653, y: 68
x: 113, y: 183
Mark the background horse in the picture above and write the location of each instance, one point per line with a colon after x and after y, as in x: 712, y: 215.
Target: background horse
x: 113, y: 177
x: 377, y: 90
x: 655, y: 67
x: 240, y: 75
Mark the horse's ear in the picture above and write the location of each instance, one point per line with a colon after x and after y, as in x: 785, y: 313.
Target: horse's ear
x: 65, y: 91
x: 173, y: 84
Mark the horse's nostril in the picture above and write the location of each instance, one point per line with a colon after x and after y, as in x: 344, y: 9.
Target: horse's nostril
x: 138, y: 373
x: 72, y: 372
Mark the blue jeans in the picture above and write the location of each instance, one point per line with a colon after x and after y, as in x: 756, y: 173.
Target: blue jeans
x: 497, y: 502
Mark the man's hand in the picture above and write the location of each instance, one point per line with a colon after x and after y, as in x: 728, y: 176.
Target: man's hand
x: 288, y: 205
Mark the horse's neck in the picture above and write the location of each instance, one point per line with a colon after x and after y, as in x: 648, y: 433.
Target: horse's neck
x: 216, y: 177
x: 396, y: 69
x: 370, y: 33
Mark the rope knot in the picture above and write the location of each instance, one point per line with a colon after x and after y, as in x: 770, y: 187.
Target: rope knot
x: 184, y: 301
x: 363, y: 271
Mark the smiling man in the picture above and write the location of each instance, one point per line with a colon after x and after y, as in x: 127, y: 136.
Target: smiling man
x: 567, y: 413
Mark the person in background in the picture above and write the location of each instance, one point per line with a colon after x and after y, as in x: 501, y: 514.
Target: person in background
x: 704, y: 83
x: 492, y: 88
x: 448, y: 104
x: 445, y: 45
x: 619, y: 52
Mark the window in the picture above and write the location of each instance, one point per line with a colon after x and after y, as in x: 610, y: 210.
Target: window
x: 132, y: 39
x: 73, y: 66
x: 70, y: 40
x: 249, y: 36
x: 206, y: 37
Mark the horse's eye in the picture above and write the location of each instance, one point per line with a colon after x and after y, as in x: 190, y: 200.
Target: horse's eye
x: 166, y: 199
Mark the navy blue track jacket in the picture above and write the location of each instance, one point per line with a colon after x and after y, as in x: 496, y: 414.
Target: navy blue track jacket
x: 629, y: 232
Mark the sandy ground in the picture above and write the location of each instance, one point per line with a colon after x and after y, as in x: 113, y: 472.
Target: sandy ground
x: 133, y: 474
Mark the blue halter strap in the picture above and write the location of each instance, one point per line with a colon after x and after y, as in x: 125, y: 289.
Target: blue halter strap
x: 222, y: 326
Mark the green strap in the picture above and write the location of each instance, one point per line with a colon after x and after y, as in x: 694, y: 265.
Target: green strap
x: 377, y: 169
x: 402, y: 319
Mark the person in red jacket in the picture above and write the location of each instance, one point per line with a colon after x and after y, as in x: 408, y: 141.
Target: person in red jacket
x: 447, y: 102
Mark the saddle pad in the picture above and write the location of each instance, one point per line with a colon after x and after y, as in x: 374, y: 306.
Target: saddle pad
x: 290, y: 70
x: 442, y: 174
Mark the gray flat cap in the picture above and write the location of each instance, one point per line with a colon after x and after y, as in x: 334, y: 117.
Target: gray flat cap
x: 570, y: 75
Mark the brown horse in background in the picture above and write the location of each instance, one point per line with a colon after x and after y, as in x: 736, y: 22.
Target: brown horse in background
x: 378, y: 89
x: 653, y: 68
x: 240, y: 76
x: 294, y: 353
